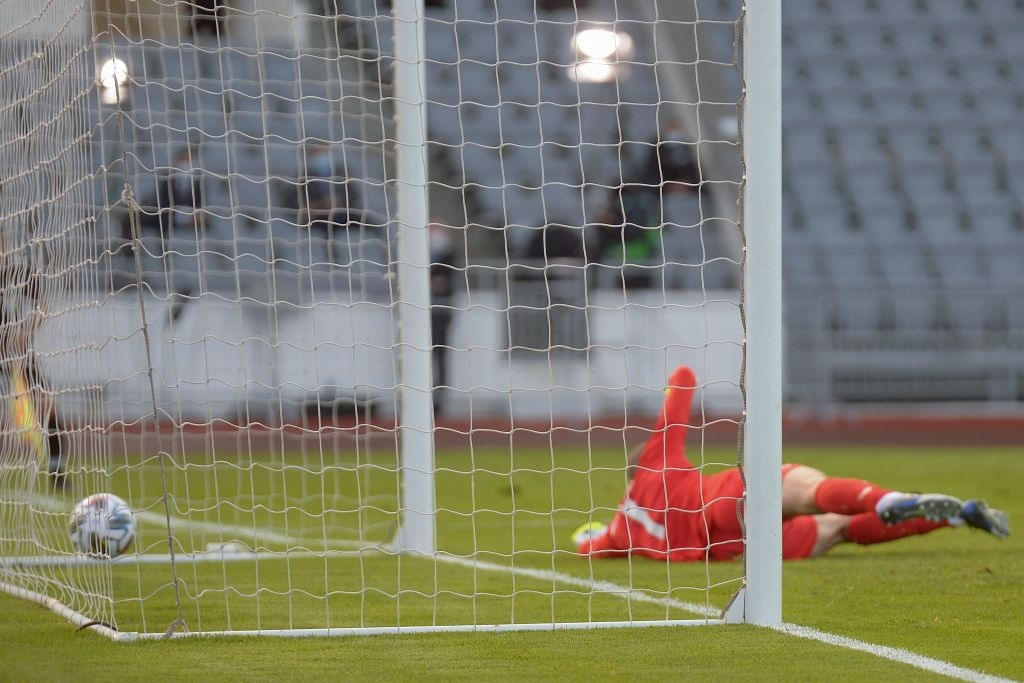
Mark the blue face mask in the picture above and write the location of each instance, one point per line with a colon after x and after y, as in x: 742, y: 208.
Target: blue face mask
x: 320, y: 166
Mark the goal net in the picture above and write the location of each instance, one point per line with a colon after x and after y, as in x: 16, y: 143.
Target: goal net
x: 364, y: 307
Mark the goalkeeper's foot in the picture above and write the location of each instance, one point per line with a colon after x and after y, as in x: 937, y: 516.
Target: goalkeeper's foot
x: 978, y: 515
x: 935, y: 507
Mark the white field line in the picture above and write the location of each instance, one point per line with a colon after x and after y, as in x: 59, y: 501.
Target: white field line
x: 899, y: 655
x: 198, y: 557
x: 238, y: 532
x: 894, y: 654
x: 252, y: 534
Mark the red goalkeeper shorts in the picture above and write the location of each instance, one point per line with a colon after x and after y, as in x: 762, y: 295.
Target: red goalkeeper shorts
x: 725, y: 536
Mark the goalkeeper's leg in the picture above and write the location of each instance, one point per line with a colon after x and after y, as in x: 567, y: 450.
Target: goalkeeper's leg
x: 813, y: 535
x: 864, y: 529
x: 807, y: 491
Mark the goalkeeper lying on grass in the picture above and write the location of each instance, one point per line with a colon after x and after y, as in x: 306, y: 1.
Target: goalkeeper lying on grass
x: 672, y: 510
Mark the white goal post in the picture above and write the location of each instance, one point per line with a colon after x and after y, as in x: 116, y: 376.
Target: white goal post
x: 762, y: 310
x: 363, y: 311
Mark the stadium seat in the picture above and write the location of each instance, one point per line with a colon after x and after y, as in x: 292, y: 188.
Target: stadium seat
x: 814, y: 181
x: 940, y: 222
x: 855, y: 314
x: 913, y: 311
x: 962, y: 264
x: 903, y: 262
x: 871, y: 182
x: 993, y: 218
x: 980, y: 182
x: 879, y: 73
x: 986, y: 72
x: 860, y: 145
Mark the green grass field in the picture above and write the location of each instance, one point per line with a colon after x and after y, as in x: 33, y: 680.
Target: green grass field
x: 955, y: 595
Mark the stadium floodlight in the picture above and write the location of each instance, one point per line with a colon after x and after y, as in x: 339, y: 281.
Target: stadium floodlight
x: 113, y: 80
x: 592, y: 72
x: 599, y: 43
x: 598, y: 51
x: 243, y: 263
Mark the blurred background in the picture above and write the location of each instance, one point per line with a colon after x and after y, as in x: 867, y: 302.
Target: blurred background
x: 584, y: 177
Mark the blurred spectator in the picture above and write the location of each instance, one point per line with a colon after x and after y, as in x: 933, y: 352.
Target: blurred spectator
x: 442, y: 267
x: 632, y: 242
x: 557, y: 244
x: 669, y: 161
x: 317, y: 188
x: 179, y: 204
x: 556, y: 254
x: 181, y: 196
x: 322, y: 191
x: 547, y: 294
x: 330, y: 207
x: 662, y: 193
x: 346, y: 239
x: 207, y: 18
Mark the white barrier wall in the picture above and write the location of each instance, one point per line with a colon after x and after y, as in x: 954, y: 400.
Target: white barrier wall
x: 219, y: 359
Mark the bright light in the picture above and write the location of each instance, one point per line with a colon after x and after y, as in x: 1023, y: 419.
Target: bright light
x: 597, y: 43
x: 114, y: 73
x: 603, y: 43
x: 597, y: 52
x: 592, y: 72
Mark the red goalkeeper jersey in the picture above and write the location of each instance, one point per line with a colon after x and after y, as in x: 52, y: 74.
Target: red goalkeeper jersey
x: 673, y: 511
x: 665, y: 512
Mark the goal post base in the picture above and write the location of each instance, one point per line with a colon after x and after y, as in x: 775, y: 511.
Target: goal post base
x: 410, y: 538
x: 733, y: 613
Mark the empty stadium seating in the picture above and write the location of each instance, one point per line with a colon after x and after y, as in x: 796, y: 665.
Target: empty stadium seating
x: 902, y: 155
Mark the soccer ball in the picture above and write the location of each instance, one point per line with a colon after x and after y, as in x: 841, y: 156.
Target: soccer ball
x: 102, y: 524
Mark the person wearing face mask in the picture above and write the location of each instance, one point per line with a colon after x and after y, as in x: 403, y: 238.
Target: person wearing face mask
x: 319, y: 183
x: 180, y: 208
x: 330, y: 208
x: 183, y: 197
x: 442, y: 269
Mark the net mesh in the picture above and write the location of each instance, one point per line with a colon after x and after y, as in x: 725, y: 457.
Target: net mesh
x: 199, y: 198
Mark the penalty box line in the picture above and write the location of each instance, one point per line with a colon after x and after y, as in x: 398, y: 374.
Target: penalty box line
x: 899, y: 655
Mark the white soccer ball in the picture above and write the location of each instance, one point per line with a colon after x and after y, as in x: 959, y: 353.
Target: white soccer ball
x: 102, y: 524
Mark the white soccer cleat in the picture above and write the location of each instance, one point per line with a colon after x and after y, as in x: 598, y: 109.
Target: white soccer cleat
x: 935, y: 507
